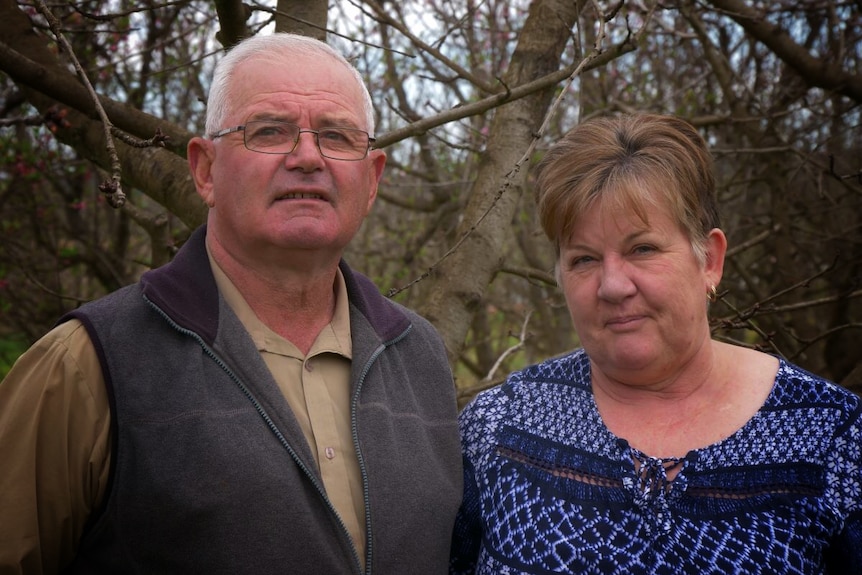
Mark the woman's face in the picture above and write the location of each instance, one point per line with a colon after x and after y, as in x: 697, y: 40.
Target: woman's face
x: 636, y: 292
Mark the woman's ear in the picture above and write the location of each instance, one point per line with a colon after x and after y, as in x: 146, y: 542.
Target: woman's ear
x: 716, y: 249
x: 201, y: 153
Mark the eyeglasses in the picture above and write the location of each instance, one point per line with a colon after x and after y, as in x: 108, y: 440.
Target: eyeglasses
x: 274, y: 137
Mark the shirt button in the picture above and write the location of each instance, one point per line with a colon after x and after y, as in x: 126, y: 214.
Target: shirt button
x: 330, y: 453
x: 308, y: 366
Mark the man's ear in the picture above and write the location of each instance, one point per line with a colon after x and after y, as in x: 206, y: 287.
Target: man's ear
x: 378, y: 161
x: 201, y: 154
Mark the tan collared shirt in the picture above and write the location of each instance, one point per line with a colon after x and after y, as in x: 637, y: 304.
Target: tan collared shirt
x: 55, y: 432
x: 317, y: 388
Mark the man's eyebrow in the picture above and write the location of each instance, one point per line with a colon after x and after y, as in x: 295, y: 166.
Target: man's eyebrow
x: 324, y: 122
x: 269, y: 117
x: 337, y: 122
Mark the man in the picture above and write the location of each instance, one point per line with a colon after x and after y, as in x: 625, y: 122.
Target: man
x: 254, y: 406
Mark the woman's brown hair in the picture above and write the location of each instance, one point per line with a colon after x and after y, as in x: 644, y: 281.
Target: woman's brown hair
x: 628, y: 161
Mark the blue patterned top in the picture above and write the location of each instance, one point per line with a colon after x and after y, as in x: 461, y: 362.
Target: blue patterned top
x: 549, y: 489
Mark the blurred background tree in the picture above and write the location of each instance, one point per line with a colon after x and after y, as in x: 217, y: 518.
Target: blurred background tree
x: 468, y: 95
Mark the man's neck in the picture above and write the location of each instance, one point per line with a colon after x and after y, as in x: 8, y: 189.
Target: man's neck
x: 294, y: 302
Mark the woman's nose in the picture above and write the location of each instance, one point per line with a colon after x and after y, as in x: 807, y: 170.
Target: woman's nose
x: 616, y: 283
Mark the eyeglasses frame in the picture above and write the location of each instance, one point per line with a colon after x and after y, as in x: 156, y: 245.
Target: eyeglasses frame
x: 241, y: 128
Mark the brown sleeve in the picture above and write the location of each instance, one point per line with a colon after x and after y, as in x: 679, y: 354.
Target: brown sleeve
x: 55, y: 449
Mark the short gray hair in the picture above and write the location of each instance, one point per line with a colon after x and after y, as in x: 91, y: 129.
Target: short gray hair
x: 272, y: 46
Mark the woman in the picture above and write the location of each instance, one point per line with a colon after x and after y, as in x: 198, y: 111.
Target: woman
x: 653, y: 449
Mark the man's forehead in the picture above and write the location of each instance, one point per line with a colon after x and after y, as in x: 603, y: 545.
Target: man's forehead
x: 284, y: 95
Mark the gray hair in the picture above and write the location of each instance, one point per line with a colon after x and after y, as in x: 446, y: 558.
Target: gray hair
x: 272, y: 46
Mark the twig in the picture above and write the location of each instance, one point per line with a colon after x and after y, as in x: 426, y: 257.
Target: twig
x: 522, y: 338
x: 751, y: 242
x: 809, y: 303
x: 821, y: 336
x: 158, y: 140
x: 510, y: 176
x: 112, y: 189
x: 31, y: 278
x: 746, y: 319
x: 532, y: 275
x: 833, y: 173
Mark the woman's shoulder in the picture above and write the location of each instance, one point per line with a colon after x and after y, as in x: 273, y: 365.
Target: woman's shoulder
x: 786, y: 383
x: 796, y: 385
x: 533, y: 384
x: 569, y: 369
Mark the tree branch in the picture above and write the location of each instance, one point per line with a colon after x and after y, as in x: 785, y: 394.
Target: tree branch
x: 112, y: 189
x: 485, y: 104
x: 813, y: 71
x: 61, y: 86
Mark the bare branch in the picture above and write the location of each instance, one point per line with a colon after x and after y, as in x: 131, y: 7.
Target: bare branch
x: 592, y: 61
x: 113, y: 190
x: 522, y: 338
x: 510, y: 176
x: 814, y: 71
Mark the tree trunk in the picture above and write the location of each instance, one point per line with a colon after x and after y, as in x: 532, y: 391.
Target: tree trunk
x: 306, y: 17
x: 461, y: 279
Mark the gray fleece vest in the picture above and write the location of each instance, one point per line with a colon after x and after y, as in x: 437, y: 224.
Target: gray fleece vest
x: 211, y: 473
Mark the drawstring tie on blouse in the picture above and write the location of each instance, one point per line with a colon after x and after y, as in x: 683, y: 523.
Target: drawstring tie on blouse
x: 653, y: 488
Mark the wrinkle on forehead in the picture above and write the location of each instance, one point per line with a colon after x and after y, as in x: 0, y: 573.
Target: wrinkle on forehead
x: 329, y: 91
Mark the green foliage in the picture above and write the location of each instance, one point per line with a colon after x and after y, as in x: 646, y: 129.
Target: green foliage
x: 11, y: 347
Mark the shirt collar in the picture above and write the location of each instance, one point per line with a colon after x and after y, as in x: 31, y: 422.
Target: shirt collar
x: 334, y: 338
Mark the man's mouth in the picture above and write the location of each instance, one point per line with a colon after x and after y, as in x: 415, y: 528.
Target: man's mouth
x: 300, y: 196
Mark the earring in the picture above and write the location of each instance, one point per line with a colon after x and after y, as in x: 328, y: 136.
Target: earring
x: 712, y: 294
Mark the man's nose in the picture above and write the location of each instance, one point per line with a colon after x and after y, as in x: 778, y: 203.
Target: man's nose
x: 306, y: 150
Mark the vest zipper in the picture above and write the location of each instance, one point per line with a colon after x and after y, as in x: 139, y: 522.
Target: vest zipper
x: 283, y: 440
x: 355, y: 432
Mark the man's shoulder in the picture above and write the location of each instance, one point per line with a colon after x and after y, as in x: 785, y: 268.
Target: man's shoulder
x: 389, y: 319
x: 107, y: 304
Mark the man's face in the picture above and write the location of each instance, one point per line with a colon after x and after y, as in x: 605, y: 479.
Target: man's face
x: 264, y: 205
